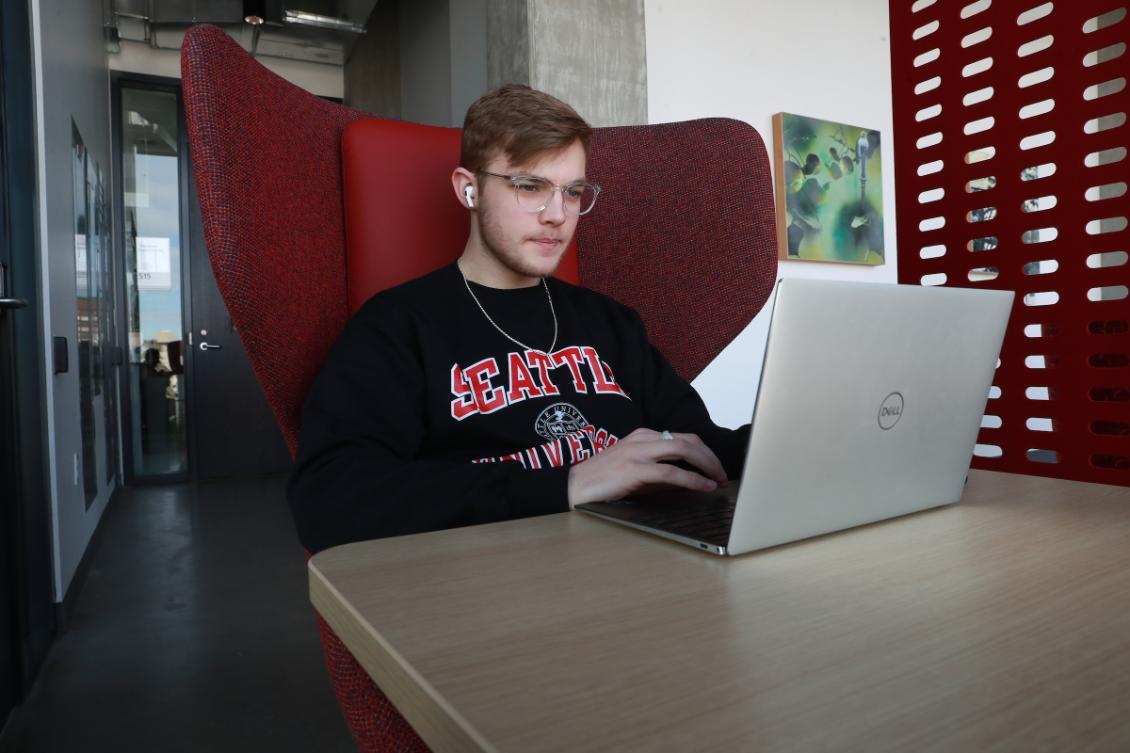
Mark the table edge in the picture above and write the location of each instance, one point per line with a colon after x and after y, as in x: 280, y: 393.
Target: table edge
x: 432, y: 717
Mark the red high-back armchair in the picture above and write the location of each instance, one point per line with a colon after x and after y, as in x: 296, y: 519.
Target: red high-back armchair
x: 302, y: 226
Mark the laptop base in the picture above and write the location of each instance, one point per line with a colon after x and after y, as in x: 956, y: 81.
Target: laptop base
x: 697, y: 519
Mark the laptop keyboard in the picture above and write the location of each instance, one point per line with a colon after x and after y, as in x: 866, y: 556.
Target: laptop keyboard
x: 693, y: 515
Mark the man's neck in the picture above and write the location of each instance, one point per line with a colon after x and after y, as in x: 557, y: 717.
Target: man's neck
x: 479, y: 266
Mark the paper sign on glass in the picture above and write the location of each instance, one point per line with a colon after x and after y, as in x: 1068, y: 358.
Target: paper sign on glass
x: 154, y: 264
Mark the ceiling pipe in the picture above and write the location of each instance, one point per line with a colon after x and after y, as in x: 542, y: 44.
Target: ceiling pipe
x: 302, y: 18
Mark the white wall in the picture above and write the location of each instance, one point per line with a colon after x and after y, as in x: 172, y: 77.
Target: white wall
x: 72, y: 82
x: 750, y: 59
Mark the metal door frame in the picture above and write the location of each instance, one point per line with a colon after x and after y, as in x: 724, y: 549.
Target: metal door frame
x: 27, y: 533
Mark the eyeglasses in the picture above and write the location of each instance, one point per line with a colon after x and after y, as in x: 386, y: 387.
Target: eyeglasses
x: 534, y: 194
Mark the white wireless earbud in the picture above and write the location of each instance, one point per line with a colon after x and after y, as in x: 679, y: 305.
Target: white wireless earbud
x: 470, y: 194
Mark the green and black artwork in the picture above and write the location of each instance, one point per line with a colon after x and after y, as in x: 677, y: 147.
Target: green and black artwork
x: 829, y: 179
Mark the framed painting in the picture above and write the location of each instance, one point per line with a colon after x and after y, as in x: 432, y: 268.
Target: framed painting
x: 829, y: 183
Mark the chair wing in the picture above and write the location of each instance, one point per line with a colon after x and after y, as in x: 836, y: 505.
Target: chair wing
x: 683, y: 232
x: 266, y: 155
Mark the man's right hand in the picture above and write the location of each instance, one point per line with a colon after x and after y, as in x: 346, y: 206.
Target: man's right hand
x: 636, y: 463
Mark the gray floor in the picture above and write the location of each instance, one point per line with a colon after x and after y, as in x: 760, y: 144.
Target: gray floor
x: 193, y: 633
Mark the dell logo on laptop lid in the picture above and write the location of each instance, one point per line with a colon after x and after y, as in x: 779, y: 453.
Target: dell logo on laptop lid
x: 890, y: 411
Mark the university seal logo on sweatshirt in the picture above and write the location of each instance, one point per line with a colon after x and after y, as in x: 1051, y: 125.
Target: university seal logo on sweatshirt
x: 488, y: 386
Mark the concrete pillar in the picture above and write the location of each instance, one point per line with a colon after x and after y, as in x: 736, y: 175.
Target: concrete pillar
x: 590, y: 53
x: 428, y: 60
x: 508, y: 43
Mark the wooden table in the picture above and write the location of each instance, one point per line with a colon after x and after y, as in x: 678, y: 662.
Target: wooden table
x: 1001, y: 623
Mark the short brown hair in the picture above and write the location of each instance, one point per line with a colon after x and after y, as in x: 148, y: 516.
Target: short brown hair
x: 521, y: 123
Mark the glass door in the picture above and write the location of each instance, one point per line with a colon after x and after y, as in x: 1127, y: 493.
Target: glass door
x: 195, y: 410
x: 154, y: 300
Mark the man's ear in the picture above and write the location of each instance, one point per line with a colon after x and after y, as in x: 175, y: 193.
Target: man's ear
x: 463, y: 181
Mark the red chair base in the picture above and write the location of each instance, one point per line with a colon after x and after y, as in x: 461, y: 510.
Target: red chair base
x: 376, y: 725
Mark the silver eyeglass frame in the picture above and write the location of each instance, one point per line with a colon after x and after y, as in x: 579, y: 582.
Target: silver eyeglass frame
x: 556, y: 189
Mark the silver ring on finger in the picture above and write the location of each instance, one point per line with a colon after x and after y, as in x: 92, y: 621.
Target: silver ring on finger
x: 666, y: 435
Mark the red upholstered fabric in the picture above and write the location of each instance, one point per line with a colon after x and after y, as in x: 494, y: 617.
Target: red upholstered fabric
x: 683, y: 232
x: 402, y: 218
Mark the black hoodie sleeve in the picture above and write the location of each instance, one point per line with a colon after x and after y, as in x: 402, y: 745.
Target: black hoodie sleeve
x: 359, y: 474
x: 671, y: 403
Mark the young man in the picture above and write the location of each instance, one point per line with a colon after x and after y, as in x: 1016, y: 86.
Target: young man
x: 487, y: 390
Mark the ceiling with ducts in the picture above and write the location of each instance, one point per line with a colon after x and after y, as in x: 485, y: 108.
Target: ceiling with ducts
x: 318, y: 31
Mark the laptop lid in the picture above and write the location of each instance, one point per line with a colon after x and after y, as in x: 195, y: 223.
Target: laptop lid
x: 869, y: 405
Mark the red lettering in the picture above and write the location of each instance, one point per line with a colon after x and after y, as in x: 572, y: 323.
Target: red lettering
x: 598, y: 440
x: 603, y: 382
x: 571, y: 357
x: 522, y: 384
x: 553, y: 453
x: 541, y: 362
x: 464, y: 403
x: 576, y: 449
x: 488, y: 398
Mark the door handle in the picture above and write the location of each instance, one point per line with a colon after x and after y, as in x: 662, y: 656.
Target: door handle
x: 209, y: 346
x: 12, y: 303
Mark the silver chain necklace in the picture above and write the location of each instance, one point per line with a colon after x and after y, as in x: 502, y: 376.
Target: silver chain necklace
x: 514, y: 340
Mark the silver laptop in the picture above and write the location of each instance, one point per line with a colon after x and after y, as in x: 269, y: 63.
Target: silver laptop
x: 869, y: 404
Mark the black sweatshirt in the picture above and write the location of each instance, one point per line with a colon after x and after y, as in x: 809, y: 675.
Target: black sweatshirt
x: 426, y: 417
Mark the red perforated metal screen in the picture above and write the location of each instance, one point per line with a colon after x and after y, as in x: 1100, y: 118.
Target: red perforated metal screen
x: 1010, y: 139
